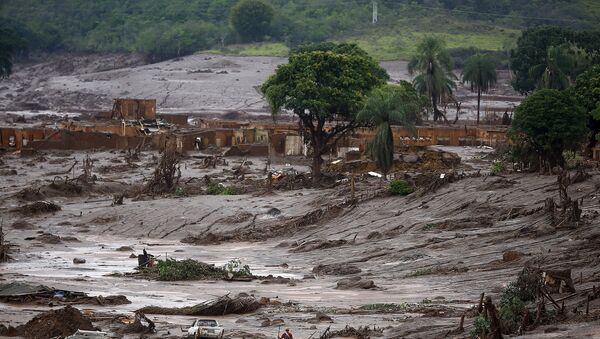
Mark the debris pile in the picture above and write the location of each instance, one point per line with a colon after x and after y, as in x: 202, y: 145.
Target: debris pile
x: 140, y: 324
x: 351, y: 332
x: 57, y: 323
x: 38, y: 207
x: 22, y: 292
x: 336, y: 269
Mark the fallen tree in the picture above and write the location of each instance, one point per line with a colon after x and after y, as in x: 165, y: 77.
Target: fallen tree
x: 241, y: 304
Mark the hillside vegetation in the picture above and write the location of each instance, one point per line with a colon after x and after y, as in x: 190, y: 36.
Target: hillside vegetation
x: 166, y: 28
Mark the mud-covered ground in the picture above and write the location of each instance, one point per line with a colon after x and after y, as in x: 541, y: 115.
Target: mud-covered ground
x: 201, y: 83
x: 431, y: 254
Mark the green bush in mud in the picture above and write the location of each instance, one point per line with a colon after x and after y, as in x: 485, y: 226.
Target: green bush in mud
x: 497, y: 167
x: 513, y: 302
x: 180, y: 192
x: 188, y: 269
x: 234, y: 268
x: 219, y: 189
x: 481, y: 326
x: 400, y: 187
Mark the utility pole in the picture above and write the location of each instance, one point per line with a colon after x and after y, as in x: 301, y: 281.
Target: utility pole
x: 374, y: 12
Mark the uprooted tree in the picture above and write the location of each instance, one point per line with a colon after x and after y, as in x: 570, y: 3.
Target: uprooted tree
x: 325, y: 87
x: 167, y: 173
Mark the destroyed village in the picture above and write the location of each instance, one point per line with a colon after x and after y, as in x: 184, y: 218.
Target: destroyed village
x: 299, y: 169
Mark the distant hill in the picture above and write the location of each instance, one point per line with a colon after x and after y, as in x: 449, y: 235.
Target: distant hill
x: 165, y: 28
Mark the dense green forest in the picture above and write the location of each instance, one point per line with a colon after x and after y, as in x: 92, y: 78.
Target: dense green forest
x: 167, y: 28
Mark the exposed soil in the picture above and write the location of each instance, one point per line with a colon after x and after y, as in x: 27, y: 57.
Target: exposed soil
x: 205, y: 84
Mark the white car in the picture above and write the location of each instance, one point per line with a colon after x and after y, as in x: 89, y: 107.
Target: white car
x: 205, y: 328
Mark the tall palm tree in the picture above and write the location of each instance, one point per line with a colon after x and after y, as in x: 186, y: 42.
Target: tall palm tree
x: 387, y: 105
x: 560, y: 68
x: 480, y: 72
x: 433, y: 65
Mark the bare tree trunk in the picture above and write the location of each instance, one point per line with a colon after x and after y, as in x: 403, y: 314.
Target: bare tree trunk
x: 478, y: 103
x: 316, y: 167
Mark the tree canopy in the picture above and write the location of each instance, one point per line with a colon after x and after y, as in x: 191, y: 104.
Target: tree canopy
x: 560, y: 68
x: 533, y: 50
x: 480, y: 73
x: 550, y: 122
x: 325, y: 89
x: 587, y: 93
x: 135, y: 26
x: 251, y: 19
x: 433, y: 65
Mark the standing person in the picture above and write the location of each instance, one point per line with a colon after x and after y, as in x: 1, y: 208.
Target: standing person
x: 287, y: 334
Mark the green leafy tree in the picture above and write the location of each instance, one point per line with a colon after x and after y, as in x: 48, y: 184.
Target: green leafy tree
x: 10, y: 44
x: 532, y: 50
x: 251, y: 19
x: 325, y: 89
x: 549, y: 122
x: 386, y: 106
x: 587, y: 93
x: 480, y: 73
x: 560, y: 67
x: 433, y: 65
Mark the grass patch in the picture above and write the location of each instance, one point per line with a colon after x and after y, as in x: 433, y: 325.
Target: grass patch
x: 220, y: 189
x: 497, y: 167
x: 400, y: 187
x: 385, y: 307
x: 394, y: 46
x: 256, y: 49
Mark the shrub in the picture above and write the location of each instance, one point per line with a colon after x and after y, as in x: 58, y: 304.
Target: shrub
x: 220, y: 189
x: 235, y: 268
x: 497, y: 167
x: 481, y: 325
x: 180, y: 192
x: 400, y: 187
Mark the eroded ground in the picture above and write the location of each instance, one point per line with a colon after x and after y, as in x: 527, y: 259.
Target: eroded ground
x: 430, y: 253
x: 200, y: 84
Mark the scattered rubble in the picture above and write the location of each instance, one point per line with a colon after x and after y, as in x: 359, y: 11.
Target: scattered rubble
x: 141, y: 324
x: 351, y: 332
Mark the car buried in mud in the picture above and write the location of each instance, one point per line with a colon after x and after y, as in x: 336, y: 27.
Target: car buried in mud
x: 205, y: 328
